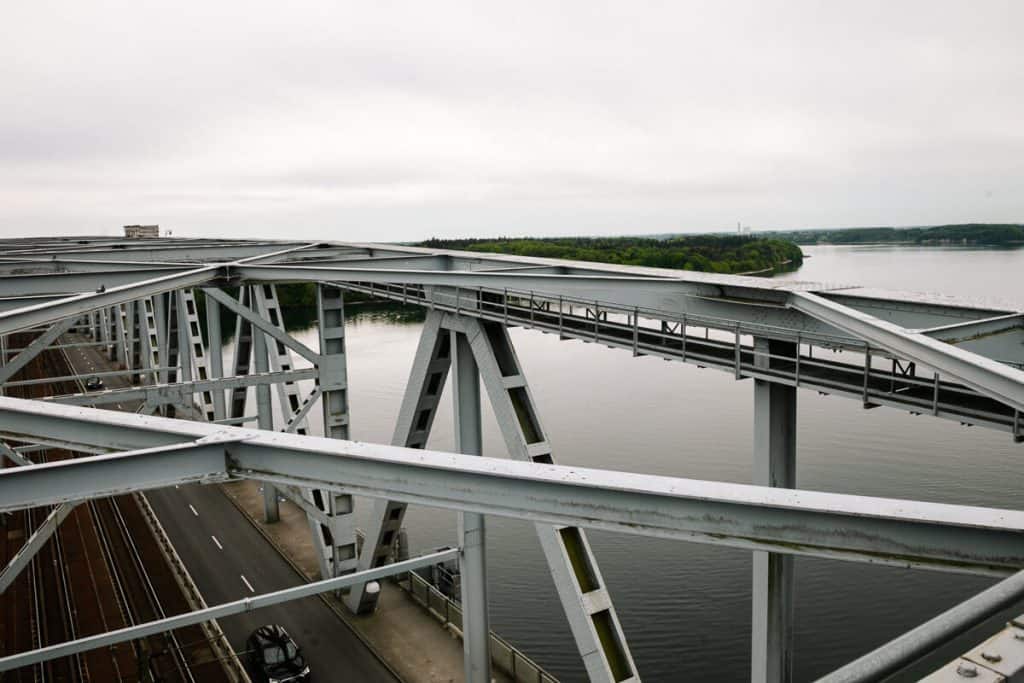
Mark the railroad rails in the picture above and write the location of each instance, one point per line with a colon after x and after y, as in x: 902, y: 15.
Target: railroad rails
x: 101, y: 570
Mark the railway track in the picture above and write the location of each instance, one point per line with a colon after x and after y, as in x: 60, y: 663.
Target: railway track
x: 101, y: 570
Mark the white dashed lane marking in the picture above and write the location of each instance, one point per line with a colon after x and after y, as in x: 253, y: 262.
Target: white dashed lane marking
x: 247, y: 584
x: 192, y: 508
x: 217, y: 543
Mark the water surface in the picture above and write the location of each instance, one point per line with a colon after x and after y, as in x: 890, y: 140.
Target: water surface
x: 685, y: 607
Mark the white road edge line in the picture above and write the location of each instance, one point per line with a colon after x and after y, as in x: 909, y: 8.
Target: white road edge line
x: 217, y: 543
x: 247, y: 584
x: 194, y: 511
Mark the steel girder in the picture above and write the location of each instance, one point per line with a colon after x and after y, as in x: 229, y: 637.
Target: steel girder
x: 578, y: 579
x: 74, y: 306
x: 416, y: 414
x: 179, y: 392
x: 982, y: 374
x: 225, y: 609
x: 839, y: 526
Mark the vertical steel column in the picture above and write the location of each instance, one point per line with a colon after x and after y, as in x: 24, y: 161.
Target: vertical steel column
x: 113, y: 316
x: 105, y: 319
x: 149, y: 336
x: 159, y: 303
x: 132, y: 357
x: 336, y: 543
x: 473, y: 562
x: 288, y: 394
x: 265, y: 416
x: 194, y: 358
x: 120, y: 338
x: 215, y: 348
x: 581, y: 588
x: 184, y: 348
x: 774, y: 465
x: 415, y: 419
x: 243, y: 356
x: 334, y: 540
x: 136, y: 331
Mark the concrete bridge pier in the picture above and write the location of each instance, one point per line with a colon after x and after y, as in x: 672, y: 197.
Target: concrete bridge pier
x: 774, y: 465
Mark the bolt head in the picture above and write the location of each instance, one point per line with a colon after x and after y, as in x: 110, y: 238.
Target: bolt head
x: 965, y: 670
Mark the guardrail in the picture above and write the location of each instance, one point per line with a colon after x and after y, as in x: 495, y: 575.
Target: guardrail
x: 504, y: 655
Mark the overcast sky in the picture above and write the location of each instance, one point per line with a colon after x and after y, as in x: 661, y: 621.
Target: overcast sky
x: 399, y: 121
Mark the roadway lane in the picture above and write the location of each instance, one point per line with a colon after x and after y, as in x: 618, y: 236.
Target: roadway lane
x: 229, y: 559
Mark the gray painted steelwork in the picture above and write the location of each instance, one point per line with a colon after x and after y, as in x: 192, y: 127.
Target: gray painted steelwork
x: 920, y: 353
x: 866, y: 529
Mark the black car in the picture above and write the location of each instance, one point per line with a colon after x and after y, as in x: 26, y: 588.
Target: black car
x: 93, y: 384
x: 275, y: 657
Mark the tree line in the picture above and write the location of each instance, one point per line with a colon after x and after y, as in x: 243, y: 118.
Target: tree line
x: 707, y: 253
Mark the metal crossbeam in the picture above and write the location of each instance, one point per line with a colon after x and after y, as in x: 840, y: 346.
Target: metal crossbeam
x: 584, y: 595
x: 985, y: 375
x: 178, y: 392
x: 73, y: 306
x: 226, y: 609
x: 901, y: 533
x: 253, y: 317
x: 427, y: 377
x: 966, y: 331
x: 11, y: 367
x: 916, y: 643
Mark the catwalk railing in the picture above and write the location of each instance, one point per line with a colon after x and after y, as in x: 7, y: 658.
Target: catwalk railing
x: 725, y: 345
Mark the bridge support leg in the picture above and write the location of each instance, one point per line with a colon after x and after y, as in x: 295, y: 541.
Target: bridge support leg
x: 337, y: 541
x: 581, y: 588
x: 473, y: 566
x: 215, y: 347
x: 774, y: 465
x: 120, y: 349
x: 265, y: 417
x: 238, y: 397
x: 415, y: 419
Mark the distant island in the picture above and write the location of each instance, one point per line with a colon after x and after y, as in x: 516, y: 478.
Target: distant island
x: 975, y: 234
x: 734, y: 254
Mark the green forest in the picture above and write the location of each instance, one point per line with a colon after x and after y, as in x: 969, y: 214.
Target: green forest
x: 708, y: 253
x: 983, y: 234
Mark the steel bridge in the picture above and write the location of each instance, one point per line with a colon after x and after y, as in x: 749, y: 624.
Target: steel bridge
x: 138, y: 299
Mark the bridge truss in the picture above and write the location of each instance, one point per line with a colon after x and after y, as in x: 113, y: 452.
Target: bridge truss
x: 138, y: 299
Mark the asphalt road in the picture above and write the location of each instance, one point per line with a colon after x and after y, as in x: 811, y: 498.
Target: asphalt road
x: 229, y: 559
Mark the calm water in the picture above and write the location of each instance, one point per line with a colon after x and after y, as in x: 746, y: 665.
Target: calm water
x: 685, y: 607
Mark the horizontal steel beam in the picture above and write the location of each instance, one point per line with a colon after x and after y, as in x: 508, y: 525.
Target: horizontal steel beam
x: 78, y: 377
x: 961, y: 332
x: 179, y: 391
x: 52, y: 311
x: 116, y: 473
x: 74, y: 283
x: 170, y: 251
x: 222, y: 610
x: 866, y: 529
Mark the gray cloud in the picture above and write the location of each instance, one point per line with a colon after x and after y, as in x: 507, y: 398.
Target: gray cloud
x: 402, y: 120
